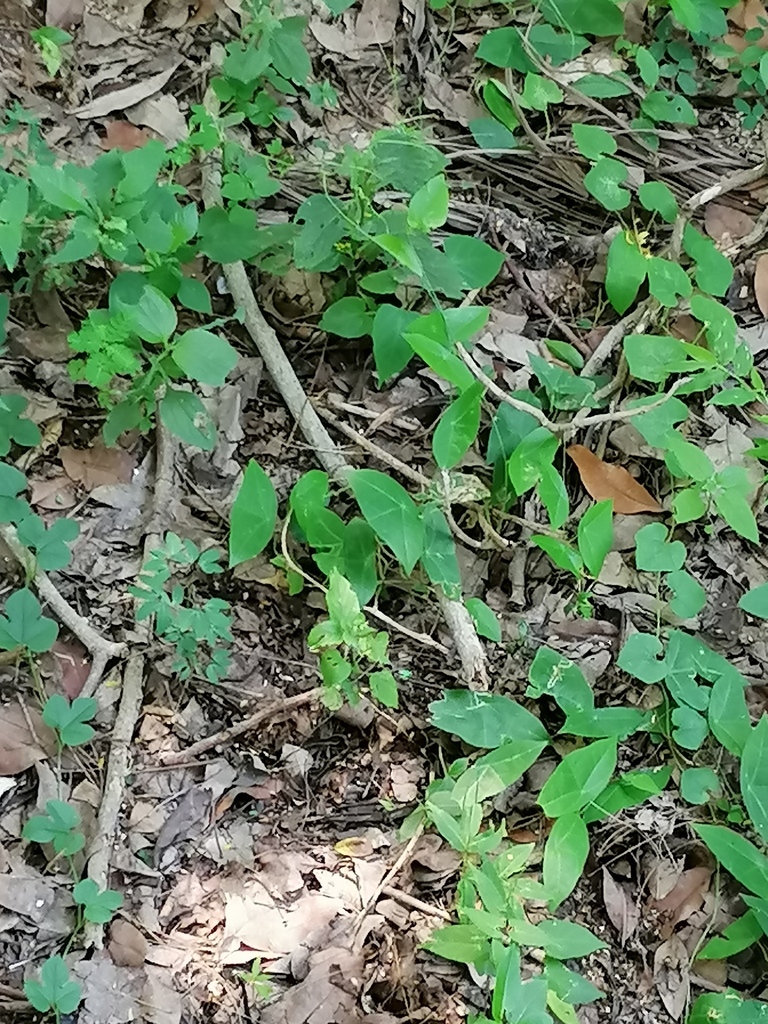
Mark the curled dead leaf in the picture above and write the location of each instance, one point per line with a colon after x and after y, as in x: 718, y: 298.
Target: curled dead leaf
x: 761, y: 283
x: 604, y: 481
x: 726, y: 224
x: 127, y: 945
x: 623, y: 912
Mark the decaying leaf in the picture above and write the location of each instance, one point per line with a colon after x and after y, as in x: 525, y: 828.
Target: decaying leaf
x: 726, y: 224
x: 761, y: 283
x: 682, y: 900
x: 127, y: 945
x: 98, y: 465
x: 604, y: 481
x: 123, y: 135
x: 24, y: 739
x: 671, y: 975
x: 622, y: 911
x: 328, y: 994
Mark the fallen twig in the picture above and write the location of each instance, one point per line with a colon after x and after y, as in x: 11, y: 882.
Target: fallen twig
x: 283, y: 376
x: 101, y: 649
x: 224, y: 736
x: 100, y: 847
x: 391, y: 875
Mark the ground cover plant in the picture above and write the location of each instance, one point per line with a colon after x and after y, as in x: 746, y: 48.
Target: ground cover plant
x: 453, y: 588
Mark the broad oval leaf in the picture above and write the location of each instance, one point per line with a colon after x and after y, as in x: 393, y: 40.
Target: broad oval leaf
x: 485, y: 719
x: 458, y: 427
x: 579, y: 778
x: 565, y: 855
x: 737, y: 855
x: 392, y: 513
x: 754, y: 776
x: 204, y: 356
x: 253, y: 517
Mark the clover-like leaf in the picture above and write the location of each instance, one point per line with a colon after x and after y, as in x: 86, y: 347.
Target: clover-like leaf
x: 98, y: 905
x: 55, y: 991
x: 70, y: 720
x: 24, y: 624
x: 654, y: 553
x: 59, y: 826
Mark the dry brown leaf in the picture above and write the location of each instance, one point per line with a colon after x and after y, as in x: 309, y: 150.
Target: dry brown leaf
x: 623, y: 912
x: 761, y: 283
x: 97, y: 466
x: 328, y: 994
x: 123, y: 135
x: 58, y: 493
x: 127, y: 945
x: 20, y: 746
x: 682, y: 900
x: 671, y: 975
x: 726, y: 224
x: 604, y: 481
x: 72, y: 666
x: 130, y: 95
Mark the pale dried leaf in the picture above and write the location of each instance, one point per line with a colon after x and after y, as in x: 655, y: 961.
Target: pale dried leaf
x: 20, y: 748
x: 64, y: 13
x: 726, y: 224
x: 603, y: 481
x: 127, y: 945
x: 671, y: 975
x: 97, y: 466
x: 119, y: 99
x: 161, y: 1003
x: 622, y: 911
x: 57, y: 493
x: 163, y: 115
x: 761, y: 283
x: 328, y: 994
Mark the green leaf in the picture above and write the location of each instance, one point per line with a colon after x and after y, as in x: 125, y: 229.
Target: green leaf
x: 149, y: 312
x: 557, y: 47
x: 569, y: 985
x: 579, y: 778
x: 391, y: 512
x: 564, y: 555
x: 504, y: 48
x: 754, y: 602
x: 737, y: 855
x: 565, y: 855
x: 402, y: 250
x: 391, y: 352
x: 226, y: 236
x: 654, y: 553
x: 625, y: 271
x: 727, y: 1008
x: 553, y: 493
x: 754, y: 776
x: 489, y: 133
x: 535, y: 451
x: 639, y: 657
x: 428, y: 208
x: 477, y: 262
x: 661, y: 105
x: 349, y: 318
x: 699, y: 785
x: 739, y: 935
x: 736, y: 511
x: 441, y: 360
x: 58, y: 826
x: 599, y: 723
x: 204, y: 356
x: 484, y: 719
x: 602, y: 86
x: 654, y: 357
x: 404, y: 160
x: 463, y: 943
x: 59, y: 187
x: 184, y: 415
x: 70, y: 720
x: 494, y: 772
x: 566, y: 940
x: 485, y: 620
x: 539, y: 92
x: 24, y: 625
x: 384, y: 688
x: 714, y: 271
x: 683, y: 662
x: 690, y: 728
x: 604, y: 182
x: 593, y: 141
x: 12, y: 481
x: 359, y: 553
x: 688, y: 505
x: 50, y: 544
x: 597, y: 18
x: 595, y: 535
x: 557, y: 677
x: 566, y: 352
x: 193, y: 294
x: 99, y: 905
x: 667, y: 280
x: 690, y: 597
x: 55, y: 991
x: 253, y: 517
x: 626, y: 791
x: 289, y: 56
x: 659, y: 198
x: 458, y: 427
x: 439, y: 556
x: 728, y: 713
x: 339, y: 6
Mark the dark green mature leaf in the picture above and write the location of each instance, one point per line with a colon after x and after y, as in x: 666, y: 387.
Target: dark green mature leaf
x: 289, y: 55
x: 348, y: 317
x: 485, y: 719
x: 727, y: 1008
x: 566, y: 939
x: 477, y: 262
x: 204, y: 356
x: 727, y: 713
x: 628, y: 790
x: 737, y: 855
x: 625, y: 271
x: 391, y: 512
x: 504, y: 48
x: 484, y: 618
x: 391, y: 352
x: 99, y: 905
x: 226, y: 236
x: 739, y: 935
x: 555, y: 676
x: 359, y: 551
x: 698, y: 785
x: 596, y: 18
x: 463, y: 943
x: 253, y: 517
x: 654, y: 357
x: 595, y: 535
x: 565, y: 855
x: 754, y: 776
x: 458, y: 427
x: 579, y: 778
x: 714, y: 272
x: 50, y: 544
x: 403, y: 160
x: 150, y: 313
